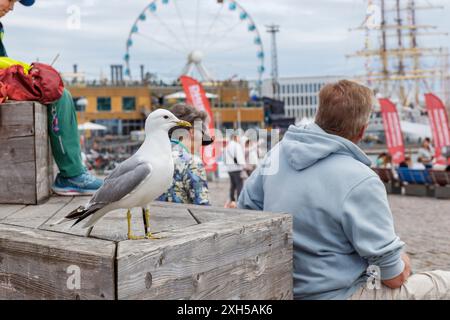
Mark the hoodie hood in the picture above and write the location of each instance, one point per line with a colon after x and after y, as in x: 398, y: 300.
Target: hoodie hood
x: 304, y: 146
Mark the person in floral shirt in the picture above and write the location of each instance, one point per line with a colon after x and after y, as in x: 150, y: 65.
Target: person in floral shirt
x: 190, y: 184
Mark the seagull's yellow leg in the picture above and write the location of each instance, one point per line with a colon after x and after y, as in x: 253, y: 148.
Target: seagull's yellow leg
x: 130, y: 236
x: 149, y: 235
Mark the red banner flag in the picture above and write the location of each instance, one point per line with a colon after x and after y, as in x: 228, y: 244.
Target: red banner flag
x: 393, y: 131
x: 196, y: 97
x: 439, y: 125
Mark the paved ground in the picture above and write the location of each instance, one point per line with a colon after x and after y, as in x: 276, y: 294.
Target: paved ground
x: 422, y: 223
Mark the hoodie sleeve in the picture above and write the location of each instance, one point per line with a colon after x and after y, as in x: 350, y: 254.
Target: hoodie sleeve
x: 368, y: 224
x: 252, y: 195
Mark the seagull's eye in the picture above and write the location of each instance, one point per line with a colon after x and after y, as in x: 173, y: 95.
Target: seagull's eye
x: 166, y: 117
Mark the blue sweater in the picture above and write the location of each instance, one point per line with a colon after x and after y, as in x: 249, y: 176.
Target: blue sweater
x: 342, y: 220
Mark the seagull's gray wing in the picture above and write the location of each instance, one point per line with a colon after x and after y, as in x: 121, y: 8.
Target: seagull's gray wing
x: 122, y: 181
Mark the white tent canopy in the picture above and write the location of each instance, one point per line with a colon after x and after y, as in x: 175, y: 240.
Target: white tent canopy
x: 91, y: 126
x: 182, y: 95
x: 416, y: 130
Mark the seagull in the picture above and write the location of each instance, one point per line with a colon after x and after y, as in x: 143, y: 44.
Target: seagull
x: 137, y: 181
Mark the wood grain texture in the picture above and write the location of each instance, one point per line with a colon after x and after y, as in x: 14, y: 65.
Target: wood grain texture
x: 16, y: 120
x: 36, y: 264
x: 74, y: 203
x: 162, y: 218
x: 35, y: 216
x: 24, y: 156
x: 8, y: 209
x: 113, y: 226
x: 171, y: 267
x: 43, y: 184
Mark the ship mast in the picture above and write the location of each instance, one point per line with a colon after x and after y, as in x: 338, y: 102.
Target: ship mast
x: 400, y: 72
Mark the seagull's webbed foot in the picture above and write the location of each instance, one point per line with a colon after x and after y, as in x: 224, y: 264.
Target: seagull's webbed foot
x: 130, y: 235
x: 148, y: 234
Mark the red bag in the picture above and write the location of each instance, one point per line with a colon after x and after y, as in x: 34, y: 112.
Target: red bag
x: 48, y: 81
x: 3, y: 92
x: 42, y: 84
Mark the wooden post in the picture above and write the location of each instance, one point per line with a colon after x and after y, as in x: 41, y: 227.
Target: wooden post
x: 26, y: 171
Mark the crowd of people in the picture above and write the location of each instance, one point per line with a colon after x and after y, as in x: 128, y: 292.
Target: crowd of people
x: 425, y: 159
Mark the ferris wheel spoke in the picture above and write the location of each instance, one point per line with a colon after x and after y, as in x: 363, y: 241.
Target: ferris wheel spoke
x: 197, y: 14
x: 213, y: 23
x: 231, y: 49
x: 172, y: 33
x: 227, y: 66
x: 161, y: 43
x: 222, y: 35
x: 183, y: 25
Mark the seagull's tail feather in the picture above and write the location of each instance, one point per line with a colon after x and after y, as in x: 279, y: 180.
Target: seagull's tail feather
x: 94, y: 218
x: 80, y: 214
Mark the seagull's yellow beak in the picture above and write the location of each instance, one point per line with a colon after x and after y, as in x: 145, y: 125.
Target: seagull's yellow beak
x: 182, y: 123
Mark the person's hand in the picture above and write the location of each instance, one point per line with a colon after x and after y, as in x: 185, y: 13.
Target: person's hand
x: 407, y: 262
x: 399, y: 280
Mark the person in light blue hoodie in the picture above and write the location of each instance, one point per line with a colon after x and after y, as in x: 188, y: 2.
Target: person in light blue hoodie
x: 345, y: 245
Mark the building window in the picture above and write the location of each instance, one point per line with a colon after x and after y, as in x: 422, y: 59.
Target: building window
x: 80, y: 104
x: 129, y: 104
x: 302, y: 101
x: 104, y: 103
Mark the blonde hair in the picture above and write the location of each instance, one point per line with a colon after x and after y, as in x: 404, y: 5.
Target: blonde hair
x: 344, y: 108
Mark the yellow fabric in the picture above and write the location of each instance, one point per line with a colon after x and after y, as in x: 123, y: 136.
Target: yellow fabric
x: 6, y: 62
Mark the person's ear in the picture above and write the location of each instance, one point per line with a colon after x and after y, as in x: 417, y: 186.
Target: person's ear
x: 361, y: 134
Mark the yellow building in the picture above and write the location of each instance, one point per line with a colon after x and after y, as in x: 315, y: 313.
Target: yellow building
x: 231, y: 108
x: 121, y: 109
x: 124, y: 109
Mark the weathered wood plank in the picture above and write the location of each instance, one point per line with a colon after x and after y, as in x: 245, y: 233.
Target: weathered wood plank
x: 113, y: 226
x: 148, y: 269
x: 34, y: 216
x: 16, y: 120
x: 67, y: 227
x: 162, y: 218
x: 17, y: 183
x: 203, y: 214
x: 43, y: 183
x: 170, y: 217
x: 24, y: 156
x: 266, y: 276
x: 8, y: 209
x: 37, y: 264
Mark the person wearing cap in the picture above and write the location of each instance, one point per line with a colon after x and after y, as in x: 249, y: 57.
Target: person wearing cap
x: 73, y: 177
x: 190, y: 184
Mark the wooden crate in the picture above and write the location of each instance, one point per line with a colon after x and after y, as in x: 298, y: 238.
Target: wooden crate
x: 25, y: 157
x: 204, y: 253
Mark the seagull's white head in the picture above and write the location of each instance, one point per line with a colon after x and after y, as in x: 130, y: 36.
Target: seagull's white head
x: 164, y: 120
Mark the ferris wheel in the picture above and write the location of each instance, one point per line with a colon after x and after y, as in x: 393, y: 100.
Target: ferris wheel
x: 211, y: 40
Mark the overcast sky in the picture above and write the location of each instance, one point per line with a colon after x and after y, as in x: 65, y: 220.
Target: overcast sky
x: 314, y: 37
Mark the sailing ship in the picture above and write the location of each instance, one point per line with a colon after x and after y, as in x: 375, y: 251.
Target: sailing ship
x: 397, y: 64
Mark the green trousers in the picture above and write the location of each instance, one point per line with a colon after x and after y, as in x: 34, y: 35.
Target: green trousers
x: 64, y: 137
